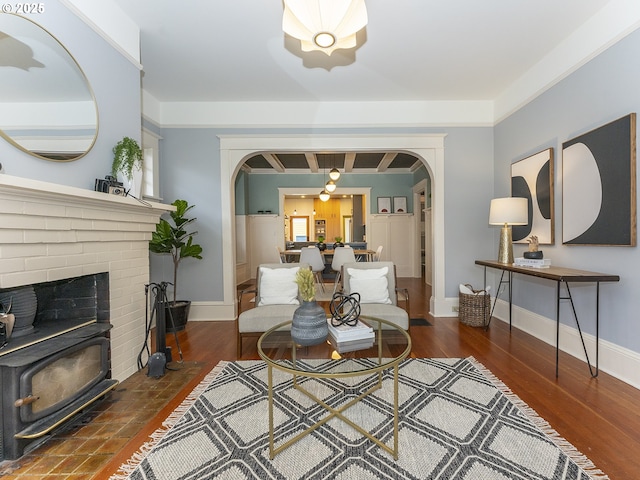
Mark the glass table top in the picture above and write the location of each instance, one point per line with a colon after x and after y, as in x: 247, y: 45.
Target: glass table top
x: 385, y: 347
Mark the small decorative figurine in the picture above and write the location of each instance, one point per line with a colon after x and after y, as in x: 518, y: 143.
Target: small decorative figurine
x: 533, y: 248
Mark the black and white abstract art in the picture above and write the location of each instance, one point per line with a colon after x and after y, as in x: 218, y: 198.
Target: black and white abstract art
x: 532, y: 178
x: 599, y: 186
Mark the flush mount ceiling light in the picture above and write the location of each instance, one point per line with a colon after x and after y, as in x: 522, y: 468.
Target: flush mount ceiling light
x: 324, y: 25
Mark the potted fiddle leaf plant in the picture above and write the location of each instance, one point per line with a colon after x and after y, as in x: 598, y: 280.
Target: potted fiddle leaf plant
x: 172, y: 238
x: 127, y: 161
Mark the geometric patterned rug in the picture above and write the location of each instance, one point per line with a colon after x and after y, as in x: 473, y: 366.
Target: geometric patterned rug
x: 456, y: 421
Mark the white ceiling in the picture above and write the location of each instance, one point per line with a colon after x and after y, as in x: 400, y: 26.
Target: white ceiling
x: 413, y: 50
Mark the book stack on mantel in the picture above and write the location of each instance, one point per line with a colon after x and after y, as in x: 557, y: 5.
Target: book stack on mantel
x: 346, y: 338
x: 532, y: 262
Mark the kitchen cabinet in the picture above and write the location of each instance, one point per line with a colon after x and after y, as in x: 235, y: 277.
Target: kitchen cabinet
x: 329, y: 211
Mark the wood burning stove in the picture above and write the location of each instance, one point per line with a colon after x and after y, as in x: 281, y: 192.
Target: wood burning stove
x: 60, y: 367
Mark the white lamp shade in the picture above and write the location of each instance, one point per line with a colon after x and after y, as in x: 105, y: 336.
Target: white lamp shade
x: 334, y: 174
x: 324, y: 196
x: 315, y: 22
x: 509, y: 210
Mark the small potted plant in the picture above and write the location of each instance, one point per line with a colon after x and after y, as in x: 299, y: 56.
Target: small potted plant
x: 321, y: 245
x: 338, y: 242
x: 309, y: 322
x: 172, y: 238
x: 127, y: 161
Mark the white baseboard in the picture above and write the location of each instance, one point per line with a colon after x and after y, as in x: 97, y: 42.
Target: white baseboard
x: 448, y: 307
x: 615, y: 360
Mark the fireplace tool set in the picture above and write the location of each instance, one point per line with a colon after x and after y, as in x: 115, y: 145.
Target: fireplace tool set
x: 158, y: 360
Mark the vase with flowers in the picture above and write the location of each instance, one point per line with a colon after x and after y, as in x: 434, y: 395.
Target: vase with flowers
x: 309, y: 323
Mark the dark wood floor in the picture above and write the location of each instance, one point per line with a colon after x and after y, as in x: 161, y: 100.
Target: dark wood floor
x: 600, y: 417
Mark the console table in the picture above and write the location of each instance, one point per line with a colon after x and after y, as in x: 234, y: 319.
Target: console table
x: 559, y: 275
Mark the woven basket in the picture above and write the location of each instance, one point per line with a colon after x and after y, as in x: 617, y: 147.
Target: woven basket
x: 474, y: 309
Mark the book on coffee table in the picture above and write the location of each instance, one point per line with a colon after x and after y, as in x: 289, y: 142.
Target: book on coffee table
x: 351, y: 345
x: 347, y: 332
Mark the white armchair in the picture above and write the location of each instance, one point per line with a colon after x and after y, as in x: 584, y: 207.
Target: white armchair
x: 276, y: 298
x: 376, y: 284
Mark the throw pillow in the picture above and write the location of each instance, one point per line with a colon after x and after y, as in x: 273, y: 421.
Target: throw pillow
x: 278, y: 286
x: 370, y: 283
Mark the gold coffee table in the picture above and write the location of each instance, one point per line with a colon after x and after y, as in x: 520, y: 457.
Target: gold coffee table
x: 392, y: 345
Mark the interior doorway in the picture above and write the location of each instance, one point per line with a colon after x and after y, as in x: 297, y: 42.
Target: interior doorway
x: 429, y: 148
x: 347, y: 228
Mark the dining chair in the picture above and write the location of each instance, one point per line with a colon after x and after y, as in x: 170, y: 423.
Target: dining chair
x: 313, y: 257
x: 281, y: 255
x: 341, y: 255
x: 377, y: 257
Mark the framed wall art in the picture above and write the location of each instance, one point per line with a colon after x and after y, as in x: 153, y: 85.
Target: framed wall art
x: 384, y: 204
x: 532, y: 178
x: 399, y: 204
x: 599, y: 186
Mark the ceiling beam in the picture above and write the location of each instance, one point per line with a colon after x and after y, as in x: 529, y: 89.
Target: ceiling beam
x: 349, y: 160
x: 312, y: 160
x: 386, y: 161
x: 415, y: 166
x: 274, y: 162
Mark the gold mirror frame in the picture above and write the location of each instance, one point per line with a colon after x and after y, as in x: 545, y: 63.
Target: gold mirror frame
x: 50, y: 110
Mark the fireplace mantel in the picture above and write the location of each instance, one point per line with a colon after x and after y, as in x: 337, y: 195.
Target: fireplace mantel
x: 73, y: 196
x: 52, y: 232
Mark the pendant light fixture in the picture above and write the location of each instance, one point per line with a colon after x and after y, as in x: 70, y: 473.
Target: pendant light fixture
x: 334, y: 174
x: 330, y: 186
x: 324, y: 195
x: 324, y: 25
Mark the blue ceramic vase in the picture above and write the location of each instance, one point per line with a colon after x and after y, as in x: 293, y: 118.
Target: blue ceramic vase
x: 309, y: 324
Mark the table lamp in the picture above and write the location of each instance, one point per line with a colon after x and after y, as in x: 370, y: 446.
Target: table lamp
x: 506, y: 212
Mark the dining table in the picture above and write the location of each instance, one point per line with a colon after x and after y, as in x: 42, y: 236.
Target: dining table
x: 362, y: 254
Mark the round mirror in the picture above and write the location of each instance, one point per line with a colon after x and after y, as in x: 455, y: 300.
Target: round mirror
x: 47, y: 107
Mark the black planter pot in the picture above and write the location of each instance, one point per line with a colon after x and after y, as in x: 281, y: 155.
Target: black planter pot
x: 322, y: 246
x: 180, y: 314
x: 338, y: 244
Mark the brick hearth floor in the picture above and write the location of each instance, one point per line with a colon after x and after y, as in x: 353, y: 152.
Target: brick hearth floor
x: 90, y: 442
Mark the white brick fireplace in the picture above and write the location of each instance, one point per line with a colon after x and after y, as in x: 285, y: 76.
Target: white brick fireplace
x: 52, y: 232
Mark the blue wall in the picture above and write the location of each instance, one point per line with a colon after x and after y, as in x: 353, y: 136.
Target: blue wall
x: 116, y: 85
x: 190, y: 164
x: 603, y: 90
x: 264, y: 187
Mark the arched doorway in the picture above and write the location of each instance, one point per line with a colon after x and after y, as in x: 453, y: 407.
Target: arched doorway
x: 235, y: 149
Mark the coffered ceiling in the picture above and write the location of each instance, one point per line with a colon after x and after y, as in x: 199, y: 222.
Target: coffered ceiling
x: 350, y: 162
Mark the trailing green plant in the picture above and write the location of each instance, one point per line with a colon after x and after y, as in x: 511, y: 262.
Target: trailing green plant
x: 320, y: 239
x: 127, y: 154
x: 306, y: 284
x: 173, y: 238
x: 338, y: 239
